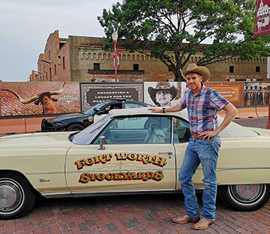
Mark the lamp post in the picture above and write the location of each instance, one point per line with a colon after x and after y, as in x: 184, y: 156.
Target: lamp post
x: 116, y: 62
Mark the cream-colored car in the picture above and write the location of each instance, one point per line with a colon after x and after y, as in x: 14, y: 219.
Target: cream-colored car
x: 128, y: 151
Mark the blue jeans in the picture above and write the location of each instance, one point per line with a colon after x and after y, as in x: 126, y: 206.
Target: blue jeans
x: 204, y: 152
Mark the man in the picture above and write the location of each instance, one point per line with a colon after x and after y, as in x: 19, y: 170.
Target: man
x: 202, y: 104
x: 163, y: 93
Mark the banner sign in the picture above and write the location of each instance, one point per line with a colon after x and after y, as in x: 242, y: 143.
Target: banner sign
x: 262, y: 18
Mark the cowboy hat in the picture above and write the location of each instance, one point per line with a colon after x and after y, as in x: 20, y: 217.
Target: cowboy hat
x: 201, y: 70
x: 162, y: 86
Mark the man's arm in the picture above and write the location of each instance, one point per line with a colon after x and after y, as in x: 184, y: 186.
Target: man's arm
x: 230, y: 113
x: 174, y: 108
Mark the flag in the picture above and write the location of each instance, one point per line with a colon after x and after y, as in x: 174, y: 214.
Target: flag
x: 262, y: 18
x: 116, y: 59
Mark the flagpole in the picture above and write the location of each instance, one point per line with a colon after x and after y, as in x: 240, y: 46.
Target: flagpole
x: 115, y: 57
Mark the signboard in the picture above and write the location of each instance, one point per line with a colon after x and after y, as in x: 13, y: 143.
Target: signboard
x: 94, y: 93
x: 262, y: 18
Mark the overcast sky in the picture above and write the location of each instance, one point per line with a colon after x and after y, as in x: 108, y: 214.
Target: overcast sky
x: 25, y: 26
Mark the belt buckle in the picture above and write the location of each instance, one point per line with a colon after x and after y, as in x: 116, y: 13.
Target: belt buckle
x: 198, y: 137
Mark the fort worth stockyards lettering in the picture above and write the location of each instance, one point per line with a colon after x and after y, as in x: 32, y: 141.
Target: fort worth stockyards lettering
x: 104, y: 158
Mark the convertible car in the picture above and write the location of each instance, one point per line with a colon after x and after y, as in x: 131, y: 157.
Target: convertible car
x: 128, y: 151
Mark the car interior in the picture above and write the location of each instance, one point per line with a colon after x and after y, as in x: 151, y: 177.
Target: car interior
x: 145, y: 130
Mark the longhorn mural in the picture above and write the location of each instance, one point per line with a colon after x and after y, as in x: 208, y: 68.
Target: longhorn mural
x: 45, y: 99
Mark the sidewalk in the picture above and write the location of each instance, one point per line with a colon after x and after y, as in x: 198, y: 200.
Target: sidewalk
x: 252, y: 112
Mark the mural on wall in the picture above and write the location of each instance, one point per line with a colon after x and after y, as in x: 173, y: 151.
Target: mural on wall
x: 256, y: 94
x: 232, y: 91
x: 94, y: 93
x: 38, y: 98
x: 163, y: 93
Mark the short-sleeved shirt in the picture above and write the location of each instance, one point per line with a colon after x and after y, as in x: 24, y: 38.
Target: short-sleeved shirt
x: 202, y: 109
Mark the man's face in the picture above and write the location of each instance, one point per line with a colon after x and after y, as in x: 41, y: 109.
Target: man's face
x: 163, y: 97
x: 194, y: 81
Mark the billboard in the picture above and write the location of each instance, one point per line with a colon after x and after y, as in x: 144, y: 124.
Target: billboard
x: 163, y: 93
x: 38, y: 98
x: 262, y: 17
x: 94, y: 93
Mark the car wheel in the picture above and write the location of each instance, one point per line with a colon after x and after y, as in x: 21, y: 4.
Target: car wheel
x: 17, y: 198
x: 245, y: 197
x: 75, y: 127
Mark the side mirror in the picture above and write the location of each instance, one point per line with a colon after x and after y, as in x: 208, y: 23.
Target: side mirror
x: 101, y: 143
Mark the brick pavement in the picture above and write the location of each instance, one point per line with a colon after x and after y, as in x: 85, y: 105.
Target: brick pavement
x: 146, y: 214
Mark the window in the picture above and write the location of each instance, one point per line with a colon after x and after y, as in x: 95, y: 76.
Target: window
x: 181, y: 132
x: 50, y: 73
x: 258, y: 69
x: 54, y: 69
x: 97, y: 66
x: 64, y: 65
x: 133, y: 105
x: 135, y: 67
x: 138, y: 130
x: 231, y: 69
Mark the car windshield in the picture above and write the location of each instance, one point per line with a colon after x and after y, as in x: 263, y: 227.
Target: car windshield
x: 92, y: 111
x: 85, y: 136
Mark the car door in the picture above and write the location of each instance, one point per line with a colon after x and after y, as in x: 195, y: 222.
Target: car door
x: 137, y: 156
x: 142, y: 145
x: 88, y: 167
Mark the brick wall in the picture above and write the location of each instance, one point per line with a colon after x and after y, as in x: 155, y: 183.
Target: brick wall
x: 71, y: 58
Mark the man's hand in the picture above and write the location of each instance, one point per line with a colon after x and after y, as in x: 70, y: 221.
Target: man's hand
x: 155, y: 109
x: 208, y: 134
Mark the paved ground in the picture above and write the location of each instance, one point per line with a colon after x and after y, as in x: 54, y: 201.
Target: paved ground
x: 129, y: 214
x: 146, y: 214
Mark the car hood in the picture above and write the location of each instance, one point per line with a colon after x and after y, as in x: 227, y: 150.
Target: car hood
x: 66, y: 117
x: 261, y: 131
x: 35, y: 140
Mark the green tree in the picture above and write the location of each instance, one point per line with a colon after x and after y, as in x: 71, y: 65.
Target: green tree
x: 174, y: 30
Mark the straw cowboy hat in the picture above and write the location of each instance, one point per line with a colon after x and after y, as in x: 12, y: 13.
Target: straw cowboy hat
x: 203, y: 71
x: 162, y: 86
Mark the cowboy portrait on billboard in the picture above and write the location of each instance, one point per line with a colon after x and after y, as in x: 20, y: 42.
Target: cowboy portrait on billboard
x: 162, y: 93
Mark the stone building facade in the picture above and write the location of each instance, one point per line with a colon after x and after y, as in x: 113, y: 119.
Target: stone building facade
x: 82, y: 59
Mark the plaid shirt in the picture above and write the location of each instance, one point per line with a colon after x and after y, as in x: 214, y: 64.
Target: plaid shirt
x: 202, y: 109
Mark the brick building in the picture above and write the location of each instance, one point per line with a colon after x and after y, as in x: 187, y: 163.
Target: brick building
x: 82, y: 59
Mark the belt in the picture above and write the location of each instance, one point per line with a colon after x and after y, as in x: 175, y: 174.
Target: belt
x: 198, y: 137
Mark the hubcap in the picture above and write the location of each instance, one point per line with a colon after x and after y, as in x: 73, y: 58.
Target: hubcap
x: 247, y: 193
x: 11, y: 196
